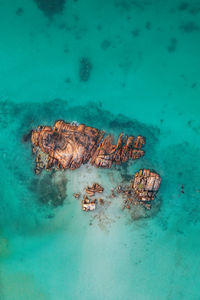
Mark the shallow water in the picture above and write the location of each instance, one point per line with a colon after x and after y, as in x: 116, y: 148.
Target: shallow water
x: 144, y: 79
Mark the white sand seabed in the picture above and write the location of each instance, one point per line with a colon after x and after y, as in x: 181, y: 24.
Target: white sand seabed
x: 104, y: 215
x: 85, y: 176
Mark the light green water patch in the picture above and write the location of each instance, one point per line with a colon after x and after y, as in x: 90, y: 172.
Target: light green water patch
x: 12, y: 287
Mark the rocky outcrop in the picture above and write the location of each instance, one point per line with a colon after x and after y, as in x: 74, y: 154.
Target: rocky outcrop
x: 68, y: 146
x: 88, y: 204
x: 142, y: 190
x: 146, y: 183
x: 77, y: 195
x: 95, y: 188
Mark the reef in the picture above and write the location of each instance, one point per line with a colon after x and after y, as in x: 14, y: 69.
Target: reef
x: 51, y: 188
x: 69, y: 145
x: 50, y: 7
x: 85, y: 69
x: 142, y: 190
x: 88, y: 204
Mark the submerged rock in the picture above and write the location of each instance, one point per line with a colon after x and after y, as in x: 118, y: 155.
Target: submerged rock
x: 50, y: 7
x: 85, y: 69
x: 68, y: 146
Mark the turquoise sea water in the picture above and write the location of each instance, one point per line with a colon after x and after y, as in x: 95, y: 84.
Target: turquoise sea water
x: 144, y: 80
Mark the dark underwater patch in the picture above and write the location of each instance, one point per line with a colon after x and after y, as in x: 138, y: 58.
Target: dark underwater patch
x: 189, y: 27
x: 85, y: 68
x: 50, y: 188
x: 183, y: 6
x: 50, y: 7
x: 192, y: 8
x: 19, y: 11
x: 105, y: 44
x: 148, y: 25
x: 135, y: 32
x: 172, y: 45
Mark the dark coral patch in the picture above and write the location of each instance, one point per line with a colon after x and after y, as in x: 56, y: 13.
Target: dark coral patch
x: 189, y: 27
x: 51, y: 189
x: 85, y: 69
x: 50, y: 7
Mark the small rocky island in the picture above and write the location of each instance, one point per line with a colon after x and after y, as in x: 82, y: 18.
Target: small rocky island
x: 88, y: 203
x: 68, y: 146
x: 142, y: 189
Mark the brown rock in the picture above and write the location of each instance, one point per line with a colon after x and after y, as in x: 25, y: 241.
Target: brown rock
x: 112, y: 195
x: 68, y: 146
x: 88, y: 205
x: 101, y: 201
x: 77, y: 195
x: 119, y: 189
x: 142, y: 190
x: 95, y: 188
x: 146, y: 184
x: 50, y: 7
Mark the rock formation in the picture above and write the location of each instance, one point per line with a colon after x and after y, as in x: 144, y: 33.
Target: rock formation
x: 87, y: 204
x: 146, y: 184
x: 77, y: 195
x: 68, y: 146
x: 142, y: 190
x: 95, y: 188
